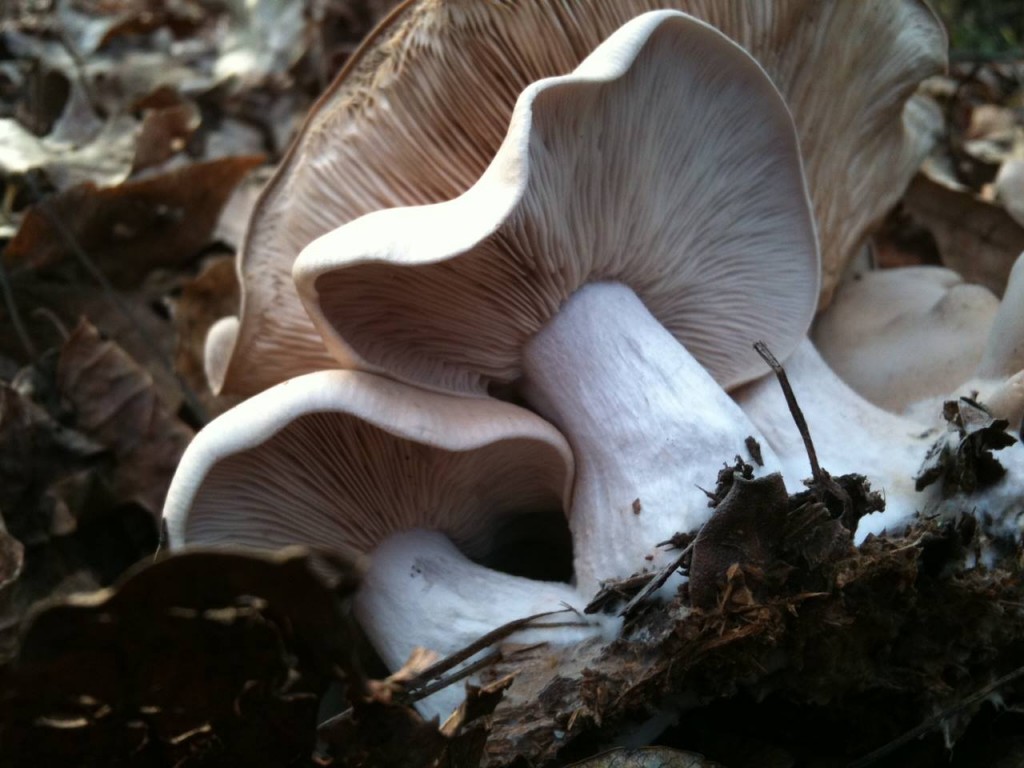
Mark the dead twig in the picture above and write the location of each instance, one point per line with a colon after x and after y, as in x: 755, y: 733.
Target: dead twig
x: 822, y: 479
x: 936, y: 721
x: 448, y: 663
x: 656, y: 582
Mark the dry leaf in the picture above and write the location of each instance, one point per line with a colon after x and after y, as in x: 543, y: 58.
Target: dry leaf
x: 37, y: 456
x: 206, y: 658
x: 980, y: 240
x: 133, y: 228
x: 116, y: 405
x: 962, y: 457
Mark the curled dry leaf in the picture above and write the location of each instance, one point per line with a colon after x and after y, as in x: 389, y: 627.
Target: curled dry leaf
x: 962, y: 457
x: 116, y: 405
x: 105, y: 157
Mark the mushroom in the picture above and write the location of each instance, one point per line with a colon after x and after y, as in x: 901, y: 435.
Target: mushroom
x: 897, y: 336
x: 643, y: 222
x: 420, y: 109
x: 907, y: 339
x: 351, y: 462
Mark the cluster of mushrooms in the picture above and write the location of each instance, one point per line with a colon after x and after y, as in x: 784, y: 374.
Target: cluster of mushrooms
x: 591, y: 209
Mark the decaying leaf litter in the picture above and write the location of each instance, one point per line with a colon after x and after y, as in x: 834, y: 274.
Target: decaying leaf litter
x: 132, y: 125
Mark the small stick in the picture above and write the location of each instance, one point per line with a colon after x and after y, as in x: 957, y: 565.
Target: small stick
x: 449, y: 662
x: 794, y: 408
x: 823, y: 480
x: 656, y: 582
x: 425, y: 689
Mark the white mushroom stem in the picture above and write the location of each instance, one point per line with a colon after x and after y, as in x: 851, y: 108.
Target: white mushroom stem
x: 1004, y: 352
x: 418, y: 579
x: 852, y: 435
x: 849, y: 434
x: 648, y: 425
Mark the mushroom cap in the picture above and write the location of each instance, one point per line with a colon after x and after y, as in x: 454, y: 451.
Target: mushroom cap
x: 220, y: 341
x: 419, y: 110
x: 667, y: 162
x: 901, y: 335
x: 342, y: 459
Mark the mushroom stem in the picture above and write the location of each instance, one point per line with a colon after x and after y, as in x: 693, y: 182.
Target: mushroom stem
x: 1000, y: 375
x: 419, y: 579
x: 648, y: 425
x: 850, y: 434
x: 1004, y: 352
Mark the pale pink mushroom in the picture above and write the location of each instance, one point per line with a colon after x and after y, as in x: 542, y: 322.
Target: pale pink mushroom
x: 607, y: 258
x: 351, y: 462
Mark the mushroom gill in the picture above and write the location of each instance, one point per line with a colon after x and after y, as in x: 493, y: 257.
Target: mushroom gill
x: 420, y: 110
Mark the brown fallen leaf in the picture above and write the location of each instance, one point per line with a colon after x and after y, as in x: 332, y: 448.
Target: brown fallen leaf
x: 133, y: 228
x: 167, y: 124
x: 41, y: 461
x: 116, y: 404
x: 203, y: 658
x: 978, y: 239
